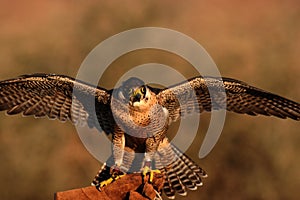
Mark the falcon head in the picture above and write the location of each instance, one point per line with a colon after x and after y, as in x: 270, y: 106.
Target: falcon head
x: 135, y: 92
x: 139, y: 96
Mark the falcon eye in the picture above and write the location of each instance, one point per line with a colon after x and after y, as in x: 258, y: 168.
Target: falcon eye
x: 143, y: 90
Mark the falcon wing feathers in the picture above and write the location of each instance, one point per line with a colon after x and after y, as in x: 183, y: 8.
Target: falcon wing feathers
x: 205, y: 94
x: 51, y: 95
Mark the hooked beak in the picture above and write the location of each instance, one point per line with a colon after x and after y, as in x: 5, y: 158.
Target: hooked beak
x: 136, y: 96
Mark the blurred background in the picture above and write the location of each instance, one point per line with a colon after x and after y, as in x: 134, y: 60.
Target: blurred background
x: 254, y: 41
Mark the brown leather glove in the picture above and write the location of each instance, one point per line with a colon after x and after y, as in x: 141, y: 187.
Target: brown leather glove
x: 129, y: 187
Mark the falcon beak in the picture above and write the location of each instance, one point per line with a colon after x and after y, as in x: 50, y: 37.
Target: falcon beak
x: 136, y: 96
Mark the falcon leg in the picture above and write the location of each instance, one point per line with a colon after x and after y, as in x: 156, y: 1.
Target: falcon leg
x: 116, y: 171
x: 151, y: 148
x: 147, y: 170
x: 118, y: 148
x: 107, y: 174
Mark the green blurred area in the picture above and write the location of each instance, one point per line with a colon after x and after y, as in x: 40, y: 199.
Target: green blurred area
x: 254, y: 41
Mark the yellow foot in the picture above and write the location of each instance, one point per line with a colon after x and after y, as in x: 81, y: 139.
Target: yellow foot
x: 147, y: 170
x: 110, y: 180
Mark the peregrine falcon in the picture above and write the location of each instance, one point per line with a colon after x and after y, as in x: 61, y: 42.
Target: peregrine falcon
x: 138, y: 116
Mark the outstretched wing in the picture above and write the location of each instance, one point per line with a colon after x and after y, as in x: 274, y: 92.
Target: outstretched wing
x: 51, y: 95
x: 205, y: 94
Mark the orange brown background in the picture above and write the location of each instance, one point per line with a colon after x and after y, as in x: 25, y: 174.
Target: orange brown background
x: 254, y: 41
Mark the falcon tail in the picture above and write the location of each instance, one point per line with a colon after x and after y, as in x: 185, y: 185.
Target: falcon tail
x: 181, y: 174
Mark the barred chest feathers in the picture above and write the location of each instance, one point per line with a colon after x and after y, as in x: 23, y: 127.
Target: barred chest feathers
x: 149, y: 116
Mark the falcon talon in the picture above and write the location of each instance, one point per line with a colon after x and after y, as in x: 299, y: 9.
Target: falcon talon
x: 152, y: 174
x: 110, y: 180
x: 116, y: 177
x: 147, y: 170
x: 105, y: 183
